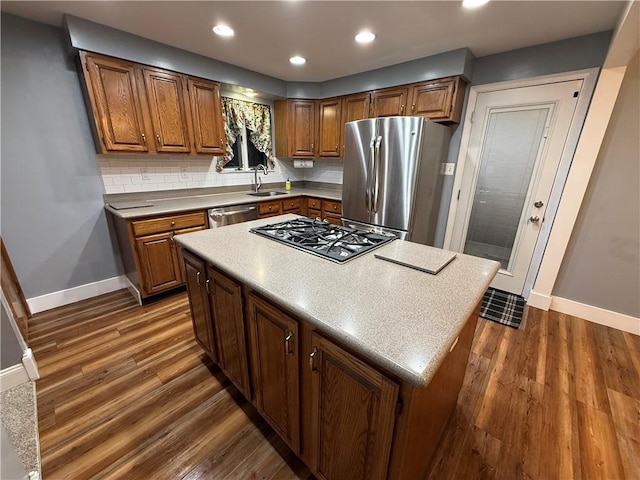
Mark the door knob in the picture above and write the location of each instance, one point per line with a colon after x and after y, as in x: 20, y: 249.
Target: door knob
x: 538, y: 204
x: 534, y: 219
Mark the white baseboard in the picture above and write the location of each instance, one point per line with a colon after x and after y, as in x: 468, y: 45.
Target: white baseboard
x: 13, y: 376
x: 75, y: 294
x: 538, y: 300
x: 609, y: 318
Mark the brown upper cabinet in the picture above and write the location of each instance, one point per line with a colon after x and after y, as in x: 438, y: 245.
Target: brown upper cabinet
x: 439, y: 100
x: 166, y: 96
x: 139, y: 109
x: 354, y: 107
x: 389, y: 102
x: 330, y: 127
x: 295, y: 123
x: 113, y: 90
x: 206, y: 111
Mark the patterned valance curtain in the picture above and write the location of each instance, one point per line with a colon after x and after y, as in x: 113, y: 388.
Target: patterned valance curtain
x: 255, y: 117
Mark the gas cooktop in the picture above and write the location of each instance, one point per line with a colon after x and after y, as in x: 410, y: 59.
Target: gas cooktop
x: 334, y: 242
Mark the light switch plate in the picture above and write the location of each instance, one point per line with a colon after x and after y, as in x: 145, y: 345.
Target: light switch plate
x: 184, y: 173
x: 447, y: 168
x: 144, y: 173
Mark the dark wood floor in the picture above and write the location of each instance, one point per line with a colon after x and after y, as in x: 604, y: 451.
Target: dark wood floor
x: 126, y: 393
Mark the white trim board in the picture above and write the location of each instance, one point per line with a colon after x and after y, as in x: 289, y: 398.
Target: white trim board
x: 598, y: 315
x: 13, y: 376
x: 75, y: 294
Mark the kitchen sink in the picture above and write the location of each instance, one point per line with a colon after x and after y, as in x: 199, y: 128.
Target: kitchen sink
x: 266, y: 194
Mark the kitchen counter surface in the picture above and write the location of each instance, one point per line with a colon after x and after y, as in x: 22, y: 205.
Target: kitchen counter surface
x: 400, y: 318
x: 176, y: 203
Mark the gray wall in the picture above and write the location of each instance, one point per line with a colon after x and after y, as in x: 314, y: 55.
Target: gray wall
x: 562, y: 56
x: 602, y: 266
x: 10, y: 351
x: 53, y: 220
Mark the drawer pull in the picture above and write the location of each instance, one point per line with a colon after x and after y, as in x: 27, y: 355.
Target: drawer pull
x: 198, y: 278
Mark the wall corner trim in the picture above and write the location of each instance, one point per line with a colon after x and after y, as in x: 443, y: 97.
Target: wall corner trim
x: 609, y: 318
x: 75, y: 294
x: 539, y: 300
x: 13, y: 376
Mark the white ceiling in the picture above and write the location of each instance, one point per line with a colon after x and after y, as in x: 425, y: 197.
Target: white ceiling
x: 269, y: 32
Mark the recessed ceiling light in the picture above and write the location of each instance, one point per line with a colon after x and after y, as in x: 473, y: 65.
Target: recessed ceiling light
x: 223, y: 30
x: 298, y: 60
x: 473, y: 3
x: 365, y: 37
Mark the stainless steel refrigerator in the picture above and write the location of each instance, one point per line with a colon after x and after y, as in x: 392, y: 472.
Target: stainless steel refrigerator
x: 392, y: 179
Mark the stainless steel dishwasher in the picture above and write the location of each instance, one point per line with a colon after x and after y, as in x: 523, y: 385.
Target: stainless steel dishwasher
x: 219, y: 217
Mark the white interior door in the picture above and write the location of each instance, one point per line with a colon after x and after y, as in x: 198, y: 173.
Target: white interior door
x: 515, y: 145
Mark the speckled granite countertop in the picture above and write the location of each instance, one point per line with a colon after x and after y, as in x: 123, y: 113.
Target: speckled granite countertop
x: 403, y: 319
x: 175, y: 202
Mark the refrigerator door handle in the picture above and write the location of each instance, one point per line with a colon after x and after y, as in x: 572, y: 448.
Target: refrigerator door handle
x: 376, y: 173
x: 370, y: 161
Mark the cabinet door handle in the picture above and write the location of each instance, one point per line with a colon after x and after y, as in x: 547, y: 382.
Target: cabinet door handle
x: 287, y: 343
x: 312, y: 360
x: 413, y: 107
x: 401, y: 108
x: 158, y: 139
x: 336, y: 148
x: 198, y: 278
x: 206, y: 286
x: 144, y: 138
x: 312, y: 147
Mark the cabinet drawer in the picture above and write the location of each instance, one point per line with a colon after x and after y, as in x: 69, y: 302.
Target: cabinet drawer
x: 332, y: 207
x: 312, y: 213
x: 291, y: 204
x: 314, y: 203
x: 269, y: 208
x: 167, y: 224
x: 333, y: 218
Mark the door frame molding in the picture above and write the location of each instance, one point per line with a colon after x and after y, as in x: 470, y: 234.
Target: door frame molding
x: 589, y: 77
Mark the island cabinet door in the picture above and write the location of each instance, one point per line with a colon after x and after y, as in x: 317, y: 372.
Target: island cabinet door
x: 195, y: 270
x: 353, y: 415
x: 228, y: 321
x: 274, y: 348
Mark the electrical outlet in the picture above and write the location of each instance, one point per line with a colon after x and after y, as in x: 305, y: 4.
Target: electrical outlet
x: 184, y: 173
x: 144, y: 173
x: 447, y: 168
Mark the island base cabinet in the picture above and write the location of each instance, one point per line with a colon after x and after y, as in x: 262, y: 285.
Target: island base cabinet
x: 274, y: 347
x: 352, y: 415
x: 195, y: 270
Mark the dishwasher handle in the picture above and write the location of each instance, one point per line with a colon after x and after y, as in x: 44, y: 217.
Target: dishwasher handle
x: 233, y: 212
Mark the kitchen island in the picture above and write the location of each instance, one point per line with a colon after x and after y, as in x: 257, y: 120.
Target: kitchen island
x: 358, y: 365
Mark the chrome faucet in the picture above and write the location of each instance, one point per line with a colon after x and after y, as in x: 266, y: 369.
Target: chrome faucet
x: 256, y: 180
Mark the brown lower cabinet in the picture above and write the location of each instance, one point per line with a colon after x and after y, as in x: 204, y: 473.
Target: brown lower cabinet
x: 151, y: 259
x: 201, y: 315
x: 353, y: 414
x: 342, y: 414
x: 275, y: 363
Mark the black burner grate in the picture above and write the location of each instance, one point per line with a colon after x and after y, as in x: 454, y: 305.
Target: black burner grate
x: 334, y: 242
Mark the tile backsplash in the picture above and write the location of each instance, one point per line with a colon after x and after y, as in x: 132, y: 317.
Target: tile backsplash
x: 129, y: 173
